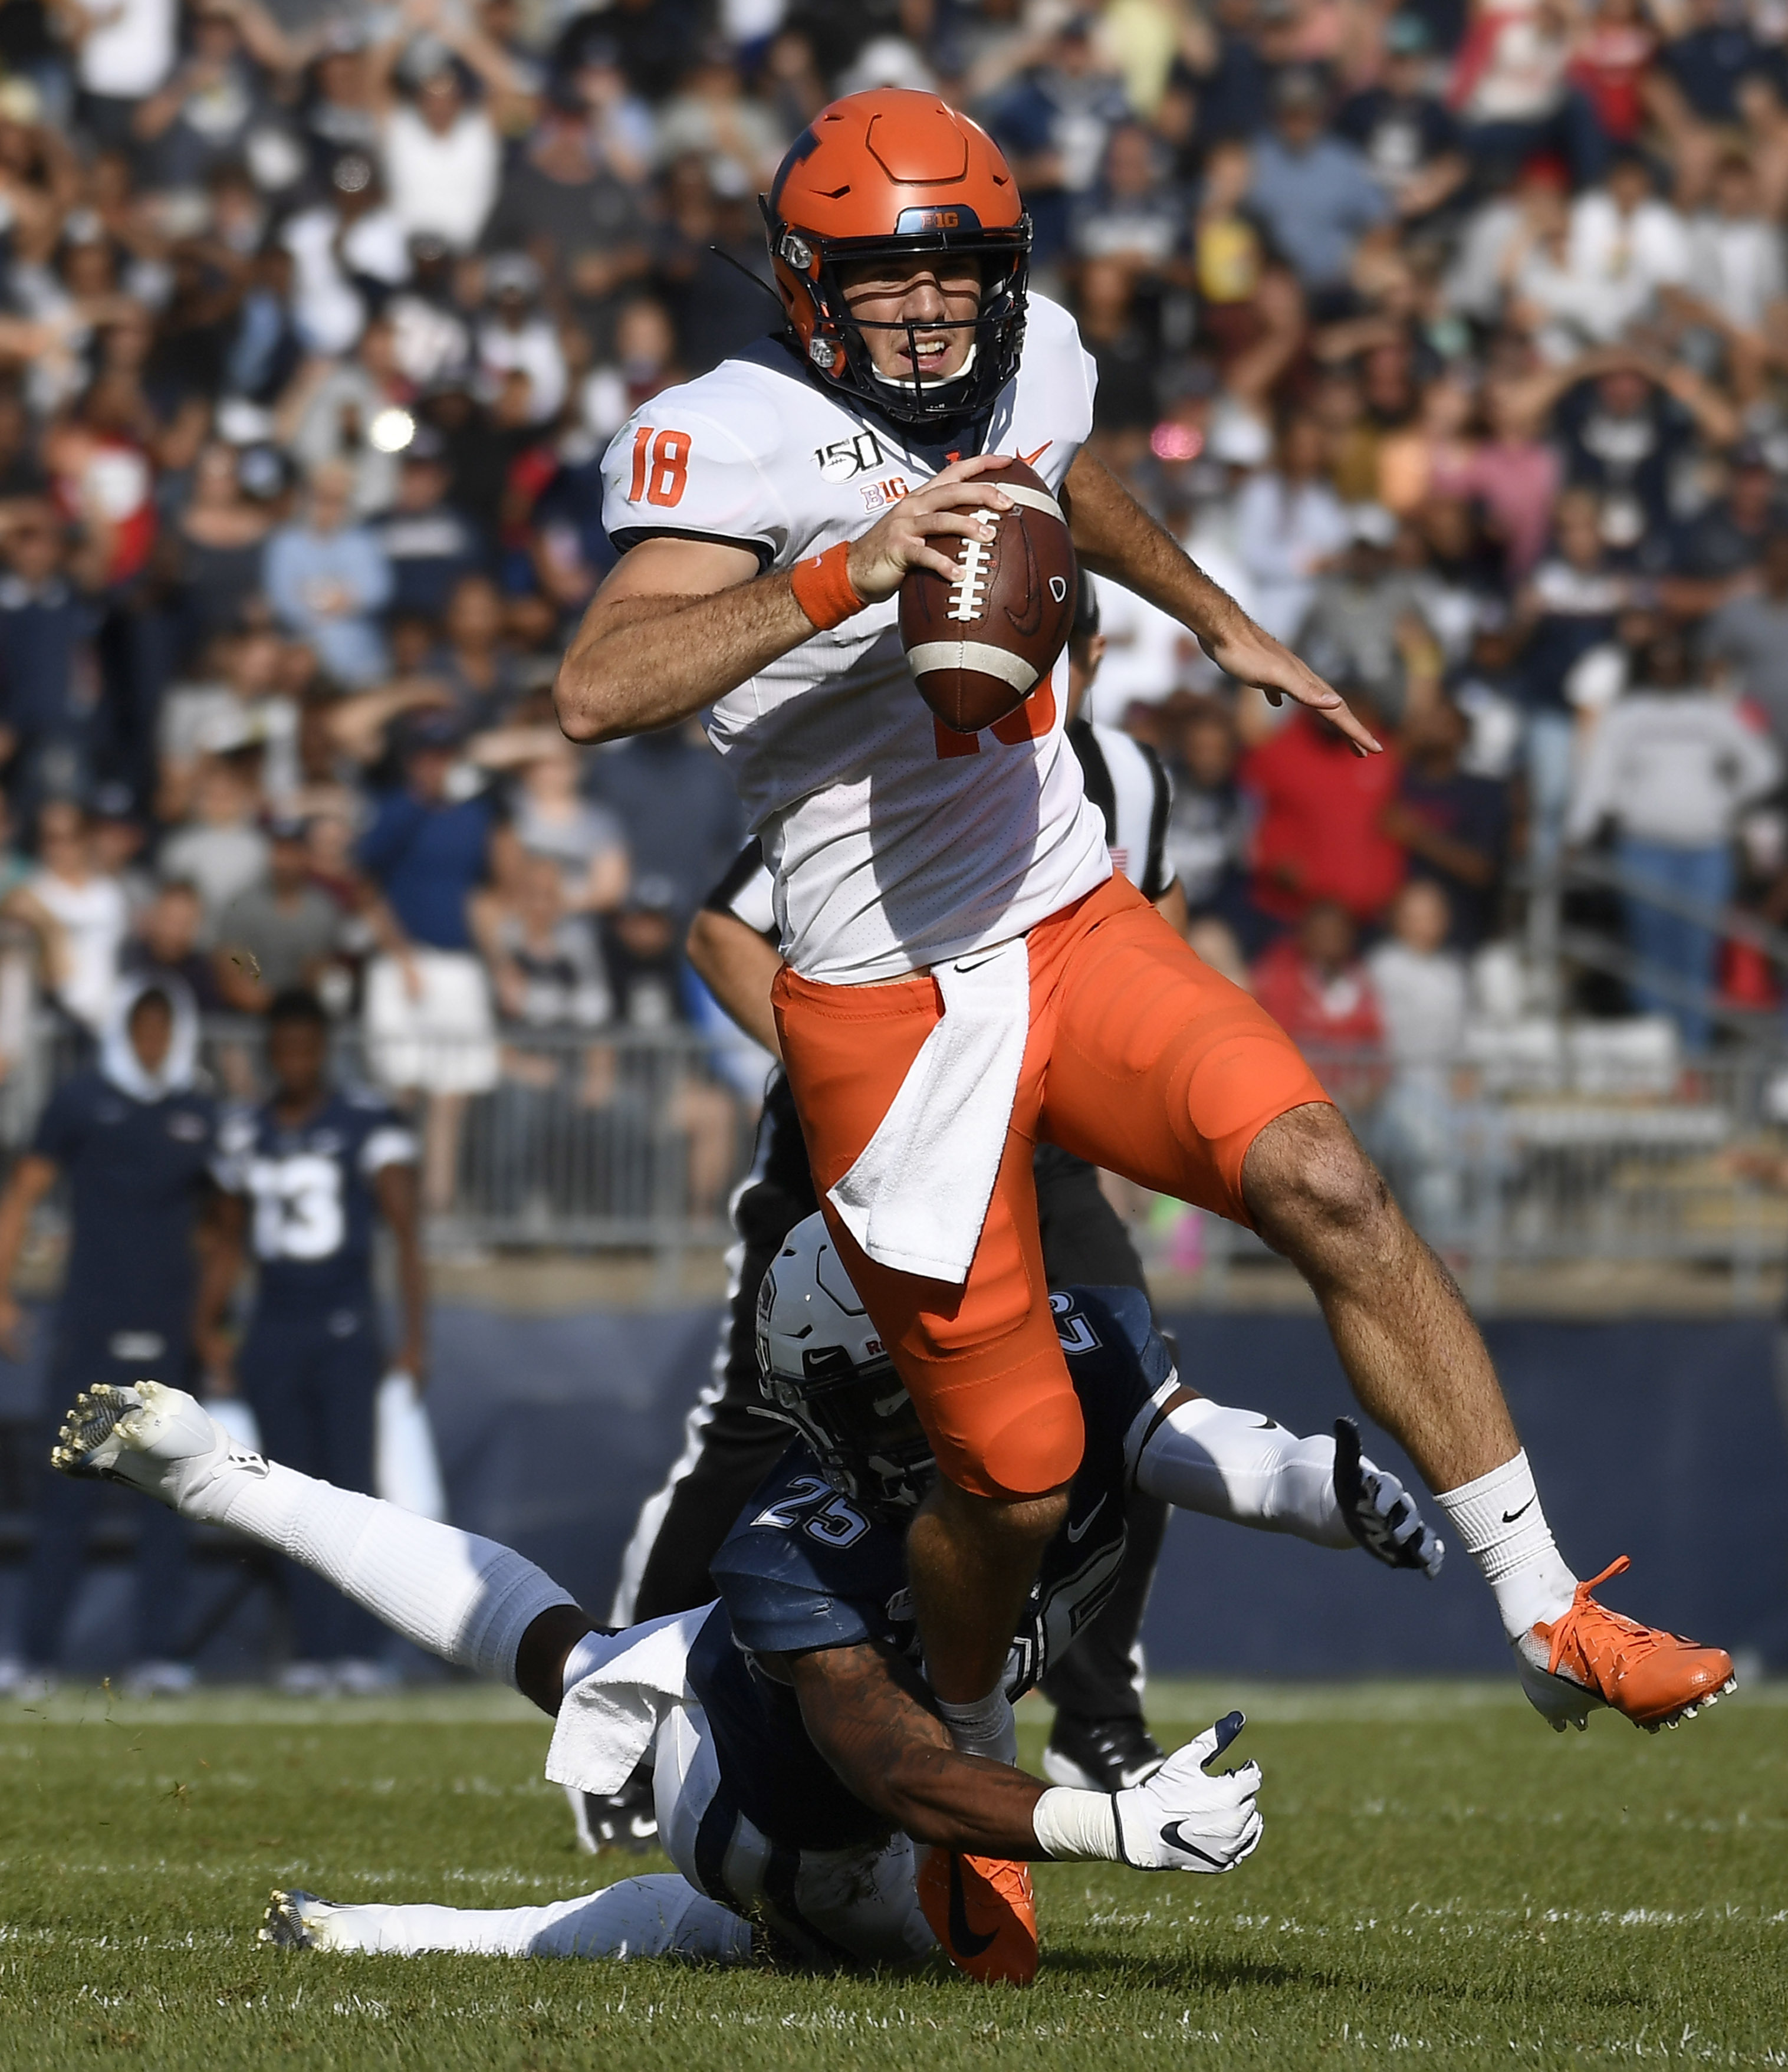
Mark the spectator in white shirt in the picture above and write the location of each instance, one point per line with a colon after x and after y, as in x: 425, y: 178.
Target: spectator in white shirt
x: 1627, y: 242
x: 124, y: 50
x: 443, y: 158
x: 1735, y: 272
x: 1673, y: 765
x: 517, y: 339
x: 1289, y: 526
x: 88, y: 906
x: 221, y: 849
x: 1423, y: 995
x: 353, y: 233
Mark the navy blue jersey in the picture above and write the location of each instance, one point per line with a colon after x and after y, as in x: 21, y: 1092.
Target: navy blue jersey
x: 311, y: 1191
x: 137, y: 1175
x: 805, y: 1568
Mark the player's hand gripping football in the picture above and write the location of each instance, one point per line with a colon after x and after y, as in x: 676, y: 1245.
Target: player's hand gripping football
x: 1378, y: 1510
x: 1185, y: 1820
x: 1253, y: 656
x: 949, y: 506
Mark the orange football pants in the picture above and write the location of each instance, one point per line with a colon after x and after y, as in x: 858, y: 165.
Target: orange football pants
x: 1141, y: 1058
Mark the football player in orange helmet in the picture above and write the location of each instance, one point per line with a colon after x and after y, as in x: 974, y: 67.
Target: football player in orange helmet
x: 767, y: 513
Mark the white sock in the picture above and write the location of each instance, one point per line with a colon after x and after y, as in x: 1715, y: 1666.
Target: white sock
x: 1236, y: 1465
x: 1501, y: 1527
x: 985, y: 1727
x: 661, y: 1916
x: 461, y: 1597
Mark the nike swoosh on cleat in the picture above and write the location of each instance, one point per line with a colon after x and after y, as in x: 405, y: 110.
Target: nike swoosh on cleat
x: 1268, y: 1425
x: 962, y: 1937
x: 1509, y: 1517
x: 1175, y: 1839
x: 1077, y: 1533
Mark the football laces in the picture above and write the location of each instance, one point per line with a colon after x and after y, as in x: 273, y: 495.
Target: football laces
x: 969, y: 590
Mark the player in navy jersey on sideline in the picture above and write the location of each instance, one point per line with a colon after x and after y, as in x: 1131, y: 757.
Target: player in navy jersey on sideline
x: 136, y: 1139
x: 310, y: 1173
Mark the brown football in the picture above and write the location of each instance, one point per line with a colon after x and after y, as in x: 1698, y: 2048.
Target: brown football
x: 980, y: 644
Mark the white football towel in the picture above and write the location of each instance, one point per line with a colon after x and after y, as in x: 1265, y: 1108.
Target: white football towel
x: 917, y: 1197
x: 617, y: 1688
x: 406, y: 1470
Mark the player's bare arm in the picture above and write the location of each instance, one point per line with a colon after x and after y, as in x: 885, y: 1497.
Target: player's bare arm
x: 1114, y: 536
x: 397, y: 1190
x: 220, y: 1247
x: 738, y: 968
x: 680, y: 622
x: 32, y: 1178
x: 864, y: 1710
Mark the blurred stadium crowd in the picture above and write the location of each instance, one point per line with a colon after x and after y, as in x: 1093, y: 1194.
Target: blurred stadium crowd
x: 1451, y: 335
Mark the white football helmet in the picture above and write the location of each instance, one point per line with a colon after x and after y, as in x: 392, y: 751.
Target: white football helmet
x: 823, y: 1367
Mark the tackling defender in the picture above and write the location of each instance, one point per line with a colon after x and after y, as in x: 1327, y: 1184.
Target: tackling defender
x: 797, y: 1756
x: 964, y: 972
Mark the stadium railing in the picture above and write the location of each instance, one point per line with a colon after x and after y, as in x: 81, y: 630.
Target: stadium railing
x: 1547, y: 1147
x: 1545, y: 1144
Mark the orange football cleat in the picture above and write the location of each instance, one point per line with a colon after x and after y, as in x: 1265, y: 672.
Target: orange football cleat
x: 982, y: 1911
x: 1594, y: 1657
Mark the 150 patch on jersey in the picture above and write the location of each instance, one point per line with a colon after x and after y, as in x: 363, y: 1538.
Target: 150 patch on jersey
x: 846, y: 458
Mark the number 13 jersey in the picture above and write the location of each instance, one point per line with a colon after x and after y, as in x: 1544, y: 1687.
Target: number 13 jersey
x: 313, y: 1210
x: 895, y: 843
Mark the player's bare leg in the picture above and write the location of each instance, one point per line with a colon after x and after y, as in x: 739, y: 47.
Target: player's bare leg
x: 1419, y: 1367
x: 971, y: 1561
x: 1416, y: 1359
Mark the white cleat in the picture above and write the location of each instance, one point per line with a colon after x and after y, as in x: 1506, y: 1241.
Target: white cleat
x: 297, y: 1921
x: 156, y: 1439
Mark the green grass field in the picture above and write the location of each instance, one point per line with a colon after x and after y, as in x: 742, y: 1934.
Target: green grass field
x: 1440, y: 1876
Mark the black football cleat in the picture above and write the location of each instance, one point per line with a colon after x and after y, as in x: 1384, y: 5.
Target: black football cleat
x: 1100, y: 1755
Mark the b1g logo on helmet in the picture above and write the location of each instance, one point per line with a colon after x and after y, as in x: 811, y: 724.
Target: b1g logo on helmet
x: 916, y: 222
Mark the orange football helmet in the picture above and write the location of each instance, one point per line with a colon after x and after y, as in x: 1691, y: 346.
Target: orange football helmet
x: 896, y: 171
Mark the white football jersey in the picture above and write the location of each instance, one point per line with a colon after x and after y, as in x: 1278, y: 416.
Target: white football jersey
x: 895, y: 844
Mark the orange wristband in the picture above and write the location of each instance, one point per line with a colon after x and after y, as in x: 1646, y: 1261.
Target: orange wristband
x: 822, y: 588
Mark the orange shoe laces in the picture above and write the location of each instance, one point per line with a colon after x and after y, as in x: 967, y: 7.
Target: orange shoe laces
x: 1641, y: 1638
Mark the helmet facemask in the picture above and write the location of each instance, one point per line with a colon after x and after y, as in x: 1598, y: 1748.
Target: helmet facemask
x: 809, y: 270
x: 860, y: 1423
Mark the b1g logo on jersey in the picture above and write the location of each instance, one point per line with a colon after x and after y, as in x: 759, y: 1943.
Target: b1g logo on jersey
x: 878, y: 495
x: 846, y: 458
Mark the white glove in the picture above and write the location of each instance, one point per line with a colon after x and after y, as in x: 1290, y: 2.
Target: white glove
x: 1185, y: 1820
x: 1379, y: 1511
